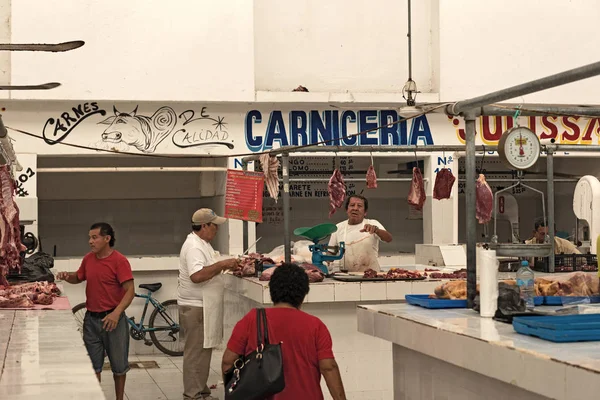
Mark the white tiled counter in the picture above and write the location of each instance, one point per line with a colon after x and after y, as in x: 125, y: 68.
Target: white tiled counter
x: 42, y: 356
x: 455, y: 354
x: 365, y: 361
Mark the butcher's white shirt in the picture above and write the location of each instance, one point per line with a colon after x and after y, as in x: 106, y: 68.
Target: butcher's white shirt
x: 195, y: 254
x: 353, y: 234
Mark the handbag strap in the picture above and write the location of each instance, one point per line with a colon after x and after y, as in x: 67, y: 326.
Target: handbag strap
x: 262, y: 329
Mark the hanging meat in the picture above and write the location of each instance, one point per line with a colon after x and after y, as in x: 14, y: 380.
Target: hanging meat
x: 10, y: 230
x: 371, y: 178
x: 416, y: 195
x: 485, y: 200
x: 444, y: 180
x: 270, y: 166
x: 337, y: 191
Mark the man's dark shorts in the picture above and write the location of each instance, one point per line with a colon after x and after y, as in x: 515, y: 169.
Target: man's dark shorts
x: 115, y: 343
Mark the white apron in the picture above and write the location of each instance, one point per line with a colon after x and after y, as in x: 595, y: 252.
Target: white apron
x: 360, y: 254
x: 213, y: 293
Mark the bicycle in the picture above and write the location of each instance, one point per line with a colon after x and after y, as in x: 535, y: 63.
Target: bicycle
x: 138, y: 331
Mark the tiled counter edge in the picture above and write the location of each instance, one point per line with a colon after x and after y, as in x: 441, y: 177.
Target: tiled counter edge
x: 502, y: 359
x: 330, y: 290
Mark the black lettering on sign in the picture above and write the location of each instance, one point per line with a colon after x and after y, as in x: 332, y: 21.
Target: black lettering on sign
x: 196, y: 132
x: 57, y: 129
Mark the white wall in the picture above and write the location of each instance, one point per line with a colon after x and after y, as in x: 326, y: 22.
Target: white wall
x: 340, y: 45
x: 224, y: 51
x: 137, y: 49
x: 490, y: 45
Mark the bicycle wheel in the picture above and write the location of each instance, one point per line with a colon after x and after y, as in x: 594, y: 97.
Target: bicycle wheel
x: 166, y: 341
x: 79, y: 314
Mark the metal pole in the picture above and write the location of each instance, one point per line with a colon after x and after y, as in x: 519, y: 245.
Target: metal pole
x: 471, y: 221
x: 380, y: 150
x: 539, y: 110
x: 563, y: 180
x: 133, y: 169
x: 355, y: 180
x: 550, y: 172
x: 562, y: 78
x: 285, y: 165
x: 244, y: 222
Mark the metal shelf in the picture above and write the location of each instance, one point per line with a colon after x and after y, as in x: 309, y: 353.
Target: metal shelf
x: 521, y: 250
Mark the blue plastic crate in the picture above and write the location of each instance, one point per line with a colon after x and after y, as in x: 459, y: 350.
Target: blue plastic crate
x: 567, y: 328
x: 423, y: 300
x: 567, y: 300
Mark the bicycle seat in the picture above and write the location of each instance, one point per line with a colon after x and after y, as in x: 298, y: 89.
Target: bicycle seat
x: 153, y: 287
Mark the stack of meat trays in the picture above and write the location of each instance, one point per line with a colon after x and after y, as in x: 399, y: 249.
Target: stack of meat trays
x: 564, y: 328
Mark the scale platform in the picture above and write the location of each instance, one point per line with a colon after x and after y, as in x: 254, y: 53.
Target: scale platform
x: 521, y: 249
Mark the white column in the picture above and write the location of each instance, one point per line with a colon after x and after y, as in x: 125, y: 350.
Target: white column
x: 440, y: 217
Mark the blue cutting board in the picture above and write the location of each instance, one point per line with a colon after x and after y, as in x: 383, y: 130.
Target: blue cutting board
x: 423, y: 300
x: 567, y: 328
x: 567, y: 300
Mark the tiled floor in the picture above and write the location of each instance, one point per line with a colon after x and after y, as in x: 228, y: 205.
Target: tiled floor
x: 162, y: 383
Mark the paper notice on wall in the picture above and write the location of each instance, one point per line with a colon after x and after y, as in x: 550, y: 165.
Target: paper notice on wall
x: 244, y: 195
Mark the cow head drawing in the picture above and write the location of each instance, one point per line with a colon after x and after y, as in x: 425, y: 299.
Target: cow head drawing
x: 140, y: 131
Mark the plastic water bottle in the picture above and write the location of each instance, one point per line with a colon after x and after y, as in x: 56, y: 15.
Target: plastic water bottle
x: 525, y: 282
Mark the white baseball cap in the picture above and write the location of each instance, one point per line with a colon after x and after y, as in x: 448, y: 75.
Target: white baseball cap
x: 206, y: 215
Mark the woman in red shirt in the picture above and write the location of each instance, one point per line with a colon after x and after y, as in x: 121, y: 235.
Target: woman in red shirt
x: 306, y: 347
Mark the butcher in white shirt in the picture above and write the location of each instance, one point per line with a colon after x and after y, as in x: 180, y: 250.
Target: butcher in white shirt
x: 200, y: 300
x: 361, y: 237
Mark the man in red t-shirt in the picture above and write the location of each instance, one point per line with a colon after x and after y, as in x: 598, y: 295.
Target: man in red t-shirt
x: 306, y: 348
x: 109, y: 292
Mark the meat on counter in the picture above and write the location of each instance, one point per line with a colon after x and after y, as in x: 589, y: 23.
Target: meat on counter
x: 28, y: 294
x: 314, y: 273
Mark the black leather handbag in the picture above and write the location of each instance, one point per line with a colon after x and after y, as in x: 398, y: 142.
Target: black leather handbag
x: 259, y: 374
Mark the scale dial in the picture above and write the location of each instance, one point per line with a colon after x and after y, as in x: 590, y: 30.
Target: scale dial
x: 519, y: 148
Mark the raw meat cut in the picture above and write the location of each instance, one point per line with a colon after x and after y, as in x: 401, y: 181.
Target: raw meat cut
x: 267, y: 273
x: 314, y: 273
x: 248, y: 264
x: 416, y: 195
x: 28, y: 294
x: 16, y: 301
x: 485, y: 200
x: 32, y: 287
x: 444, y: 180
x: 270, y: 166
x: 371, y: 178
x: 337, y: 191
x: 10, y: 230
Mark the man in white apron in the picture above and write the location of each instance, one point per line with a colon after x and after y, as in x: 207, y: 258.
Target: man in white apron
x: 200, y: 300
x: 361, y: 237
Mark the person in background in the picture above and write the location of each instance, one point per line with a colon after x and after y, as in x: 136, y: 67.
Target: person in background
x: 307, y: 347
x: 361, y: 237
x: 561, y: 246
x: 200, y: 301
x: 109, y: 291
